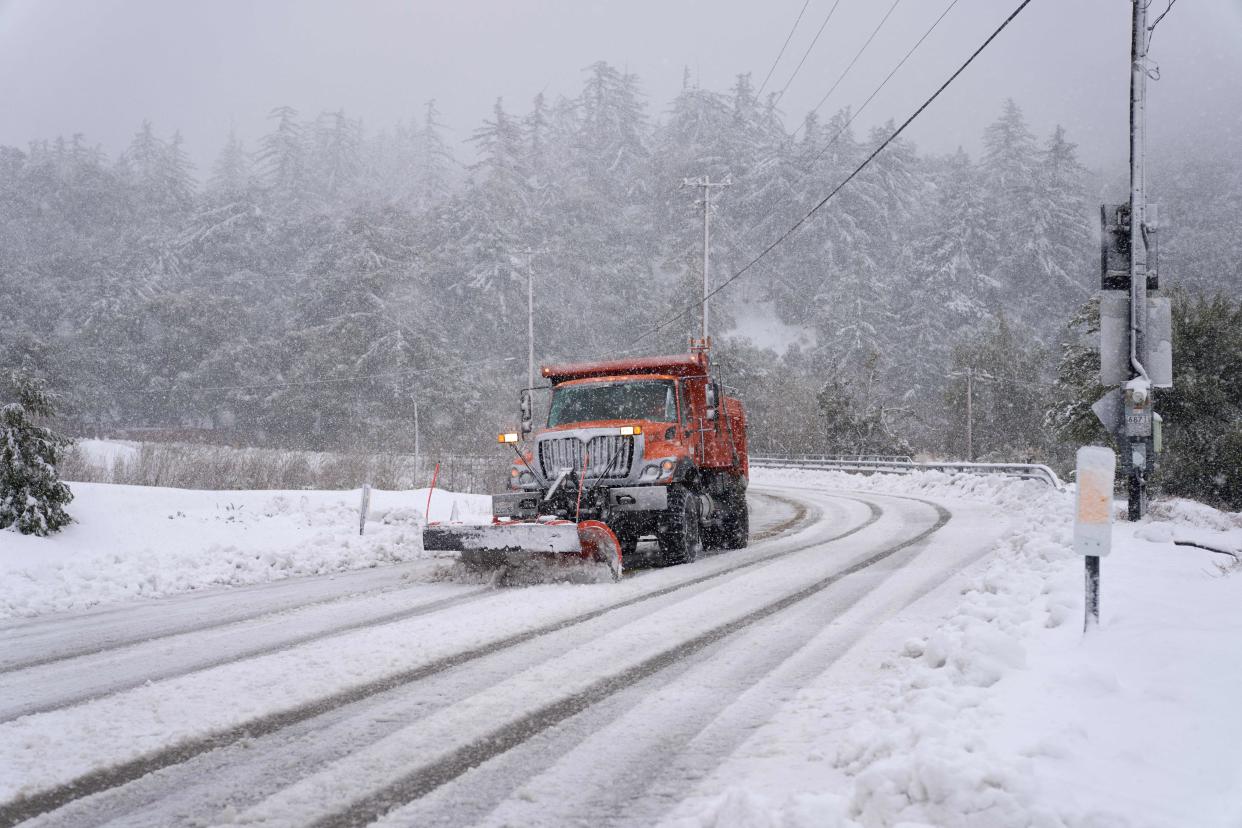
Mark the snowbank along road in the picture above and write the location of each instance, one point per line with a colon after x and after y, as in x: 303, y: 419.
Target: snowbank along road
x: 385, y: 695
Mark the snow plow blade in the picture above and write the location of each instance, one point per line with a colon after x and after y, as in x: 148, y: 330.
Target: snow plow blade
x: 547, y: 545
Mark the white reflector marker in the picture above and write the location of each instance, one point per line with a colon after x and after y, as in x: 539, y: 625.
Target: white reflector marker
x: 1093, y: 520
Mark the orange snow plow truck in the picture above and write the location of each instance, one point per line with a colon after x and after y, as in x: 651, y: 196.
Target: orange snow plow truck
x: 647, y: 446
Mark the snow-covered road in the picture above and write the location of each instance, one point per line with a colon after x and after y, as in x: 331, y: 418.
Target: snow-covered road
x: 388, y: 694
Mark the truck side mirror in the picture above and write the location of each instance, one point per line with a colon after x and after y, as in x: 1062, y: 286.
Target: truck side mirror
x: 528, y: 416
x: 712, y: 402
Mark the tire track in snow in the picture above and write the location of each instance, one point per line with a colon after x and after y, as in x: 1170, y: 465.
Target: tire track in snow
x: 45, y: 626
x: 424, y: 780
x: 58, y: 697
x: 103, y: 779
x: 208, y: 661
x: 247, y: 772
x: 24, y: 627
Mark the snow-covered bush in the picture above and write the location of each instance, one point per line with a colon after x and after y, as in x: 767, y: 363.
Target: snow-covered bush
x: 32, y: 496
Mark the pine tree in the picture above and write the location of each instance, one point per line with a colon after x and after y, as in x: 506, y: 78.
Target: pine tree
x: 336, y: 158
x: 611, y: 140
x: 1009, y: 165
x: 1060, y: 243
x: 854, y: 421
x: 282, y: 153
x: 951, y: 290
x: 1010, y: 161
x: 431, y: 175
x: 1009, y: 388
x: 32, y: 496
x: 1077, y: 386
x: 231, y: 175
x: 1202, y: 412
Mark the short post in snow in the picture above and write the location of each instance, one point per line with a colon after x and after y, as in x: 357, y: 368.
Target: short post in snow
x: 364, y: 507
x: 1093, y: 520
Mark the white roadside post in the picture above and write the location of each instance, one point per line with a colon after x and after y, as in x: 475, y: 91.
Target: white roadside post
x: 364, y: 507
x: 1093, y: 519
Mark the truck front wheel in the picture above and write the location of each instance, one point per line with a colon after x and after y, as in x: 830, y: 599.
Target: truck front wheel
x: 679, y: 533
x: 735, y: 525
x: 628, y: 539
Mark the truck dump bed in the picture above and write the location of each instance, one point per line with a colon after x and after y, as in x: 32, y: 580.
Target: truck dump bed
x: 679, y: 365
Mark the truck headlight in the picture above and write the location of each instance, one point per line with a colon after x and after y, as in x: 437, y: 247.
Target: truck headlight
x: 659, y: 471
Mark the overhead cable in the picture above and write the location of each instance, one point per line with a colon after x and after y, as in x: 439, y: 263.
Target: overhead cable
x: 1152, y: 28
x: 807, y: 53
x: 867, y: 161
x: 857, y: 55
x: 781, y: 53
x: 856, y: 111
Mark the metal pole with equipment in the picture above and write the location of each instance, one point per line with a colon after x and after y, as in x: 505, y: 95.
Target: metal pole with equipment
x: 1135, y: 329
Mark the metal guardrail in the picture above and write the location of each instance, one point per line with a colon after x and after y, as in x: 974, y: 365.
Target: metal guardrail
x: 904, y: 465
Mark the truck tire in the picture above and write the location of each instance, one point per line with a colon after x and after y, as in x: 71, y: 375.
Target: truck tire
x: 735, y: 523
x: 628, y: 539
x: 679, y: 532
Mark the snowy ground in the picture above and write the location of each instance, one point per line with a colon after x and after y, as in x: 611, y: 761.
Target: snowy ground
x: 947, y: 683
x: 985, y: 705
x: 141, y: 542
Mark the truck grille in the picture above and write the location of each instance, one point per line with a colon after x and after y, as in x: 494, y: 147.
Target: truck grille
x: 566, y: 453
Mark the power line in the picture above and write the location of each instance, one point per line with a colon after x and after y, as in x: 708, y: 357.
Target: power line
x: 796, y: 225
x: 333, y: 381
x: 859, y: 54
x: 1152, y: 28
x: 808, y: 167
x: 781, y: 53
x: 807, y: 53
x: 883, y: 83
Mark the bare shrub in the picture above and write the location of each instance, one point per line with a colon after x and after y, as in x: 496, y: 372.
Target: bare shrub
x: 75, y: 465
x: 196, y: 466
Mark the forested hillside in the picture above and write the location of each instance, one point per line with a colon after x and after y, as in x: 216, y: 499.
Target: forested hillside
x: 307, y: 290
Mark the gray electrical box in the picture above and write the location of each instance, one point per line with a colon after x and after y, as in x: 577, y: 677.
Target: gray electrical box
x: 1157, y: 356
x: 1158, y: 342
x: 1114, y: 337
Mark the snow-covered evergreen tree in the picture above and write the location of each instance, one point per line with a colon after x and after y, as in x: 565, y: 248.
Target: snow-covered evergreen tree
x: 172, y: 287
x: 282, y: 153
x: 336, y: 155
x: 1010, y: 384
x: 32, y: 496
x: 434, y: 160
x: 1010, y: 169
x: 1060, y: 243
x: 231, y: 174
x: 1068, y: 415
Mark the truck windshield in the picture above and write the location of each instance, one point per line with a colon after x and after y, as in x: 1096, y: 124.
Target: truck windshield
x: 642, y: 400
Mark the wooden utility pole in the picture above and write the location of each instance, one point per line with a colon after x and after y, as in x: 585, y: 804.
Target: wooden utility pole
x: 706, y: 183
x: 530, y: 318
x: 971, y: 374
x: 970, y: 415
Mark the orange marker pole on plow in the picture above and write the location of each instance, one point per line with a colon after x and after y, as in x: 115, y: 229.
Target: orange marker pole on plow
x: 434, y: 475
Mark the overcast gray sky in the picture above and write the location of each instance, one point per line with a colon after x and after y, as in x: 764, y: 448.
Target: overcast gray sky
x: 101, y: 66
